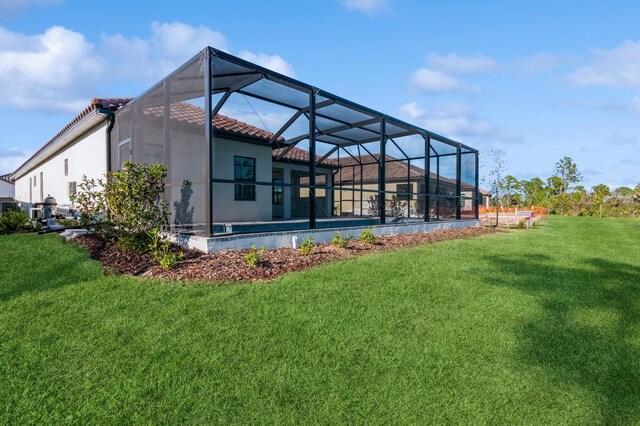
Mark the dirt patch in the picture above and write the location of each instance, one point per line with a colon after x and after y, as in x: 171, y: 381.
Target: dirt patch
x: 229, y: 265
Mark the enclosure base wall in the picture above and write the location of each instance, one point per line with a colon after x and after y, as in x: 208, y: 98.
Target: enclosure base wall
x: 272, y: 240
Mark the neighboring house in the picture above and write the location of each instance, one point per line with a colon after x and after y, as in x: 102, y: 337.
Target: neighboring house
x: 7, y: 192
x: 485, y: 197
x: 226, y: 175
x: 404, y: 180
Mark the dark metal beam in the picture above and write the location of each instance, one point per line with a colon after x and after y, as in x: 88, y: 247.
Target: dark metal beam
x: 324, y: 157
x: 319, y: 105
x: 220, y: 104
x: 288, y: 124
x: 246, y: 82
x: 401, y: 150
x: 209, y: 137
x: 477, y: 183
x: 427, y: 179
x: 382, y: 177
x: 458, y: 181
x: 312, y: 160
x: 399, y: 135
x: 285, y: 151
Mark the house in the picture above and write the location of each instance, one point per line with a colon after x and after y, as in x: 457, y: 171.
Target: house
x: 249, y: 150
x: 356, y: 186
x: 7, y: 193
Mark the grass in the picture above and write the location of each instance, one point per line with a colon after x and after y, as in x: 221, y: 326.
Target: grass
x: 539, y: 327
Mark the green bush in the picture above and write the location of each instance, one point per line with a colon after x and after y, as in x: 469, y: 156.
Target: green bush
x: 368, y: 237
x: 522, y: 224
x: 67, y: 222
x: 132, y: 200
x: 253, y: 257
x: 14, y: 220
x: 340, y: 240
x: 160, y: 248
x: 307, y: 247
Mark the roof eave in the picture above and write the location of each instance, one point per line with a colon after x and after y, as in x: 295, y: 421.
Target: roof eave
x: 87, y: 122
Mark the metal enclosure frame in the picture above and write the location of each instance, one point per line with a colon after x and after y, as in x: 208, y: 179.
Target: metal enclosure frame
x: 340, y: 125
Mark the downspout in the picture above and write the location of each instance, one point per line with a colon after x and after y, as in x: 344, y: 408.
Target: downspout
x: 112, y: 121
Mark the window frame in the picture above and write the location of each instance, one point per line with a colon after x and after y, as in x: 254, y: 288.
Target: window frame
x: 239, y: 189
x: 404, y: 193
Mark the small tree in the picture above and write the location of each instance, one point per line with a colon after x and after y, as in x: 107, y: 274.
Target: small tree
x: 494, y: 179
x: 131, y: 199
x: 567, y: 172
x: 600, y: 194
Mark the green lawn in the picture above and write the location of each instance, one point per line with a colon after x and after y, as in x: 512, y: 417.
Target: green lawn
x: 538, y: 326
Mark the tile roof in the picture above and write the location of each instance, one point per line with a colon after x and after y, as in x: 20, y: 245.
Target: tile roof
x: 297, y: 154
x: 193, y: 114
x: 6, y: 178
x: 111, y: 104
x: 394, y: 170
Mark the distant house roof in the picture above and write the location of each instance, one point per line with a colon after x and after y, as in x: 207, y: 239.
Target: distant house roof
x: 6, y: 178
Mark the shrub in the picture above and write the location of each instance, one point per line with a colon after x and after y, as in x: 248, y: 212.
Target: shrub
x: 160, y: 248
x: 67, y: 222
x: 368, y: 237
x: 131, y: 197
x: 307, y: 247
x: 253, y: 257
x: 340, y: 240
x: 14, y: 220
x: 90, y: 200
x: 522, y: 224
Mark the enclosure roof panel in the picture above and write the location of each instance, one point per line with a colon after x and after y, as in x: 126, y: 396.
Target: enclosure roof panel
x: 356, y: 123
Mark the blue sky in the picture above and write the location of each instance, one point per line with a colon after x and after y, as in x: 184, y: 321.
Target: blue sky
x: 537, y: 81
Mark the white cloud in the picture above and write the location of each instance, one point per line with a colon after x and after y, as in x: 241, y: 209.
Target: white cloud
x: 11, y: 159
x: 440, y: 73
x: 456, y: 64
x: 369, y: 7
x: 272, y: 62
x: 168, y: 46
x: 49, y: 70
x: 617, y: 67
x: 61, y: 71
x: 455, y: 120
x: 438, y: 82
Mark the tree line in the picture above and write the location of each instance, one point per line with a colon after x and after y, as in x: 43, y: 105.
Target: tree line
x: 560, y: 193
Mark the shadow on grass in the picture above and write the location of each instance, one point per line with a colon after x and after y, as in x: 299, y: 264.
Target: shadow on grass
x: 585, y: 333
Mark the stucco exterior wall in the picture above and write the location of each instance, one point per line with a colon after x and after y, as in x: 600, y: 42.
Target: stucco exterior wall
x: 86, y: 156
x: 7, y: 190
x: 225, y: 208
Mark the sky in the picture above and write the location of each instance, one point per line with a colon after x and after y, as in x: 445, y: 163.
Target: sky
x: 535, y: 80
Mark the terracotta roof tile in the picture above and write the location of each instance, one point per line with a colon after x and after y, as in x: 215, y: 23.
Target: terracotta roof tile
x: 193, y: 114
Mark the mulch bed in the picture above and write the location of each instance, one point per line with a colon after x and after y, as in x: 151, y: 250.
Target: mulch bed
x: 229, y: 265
